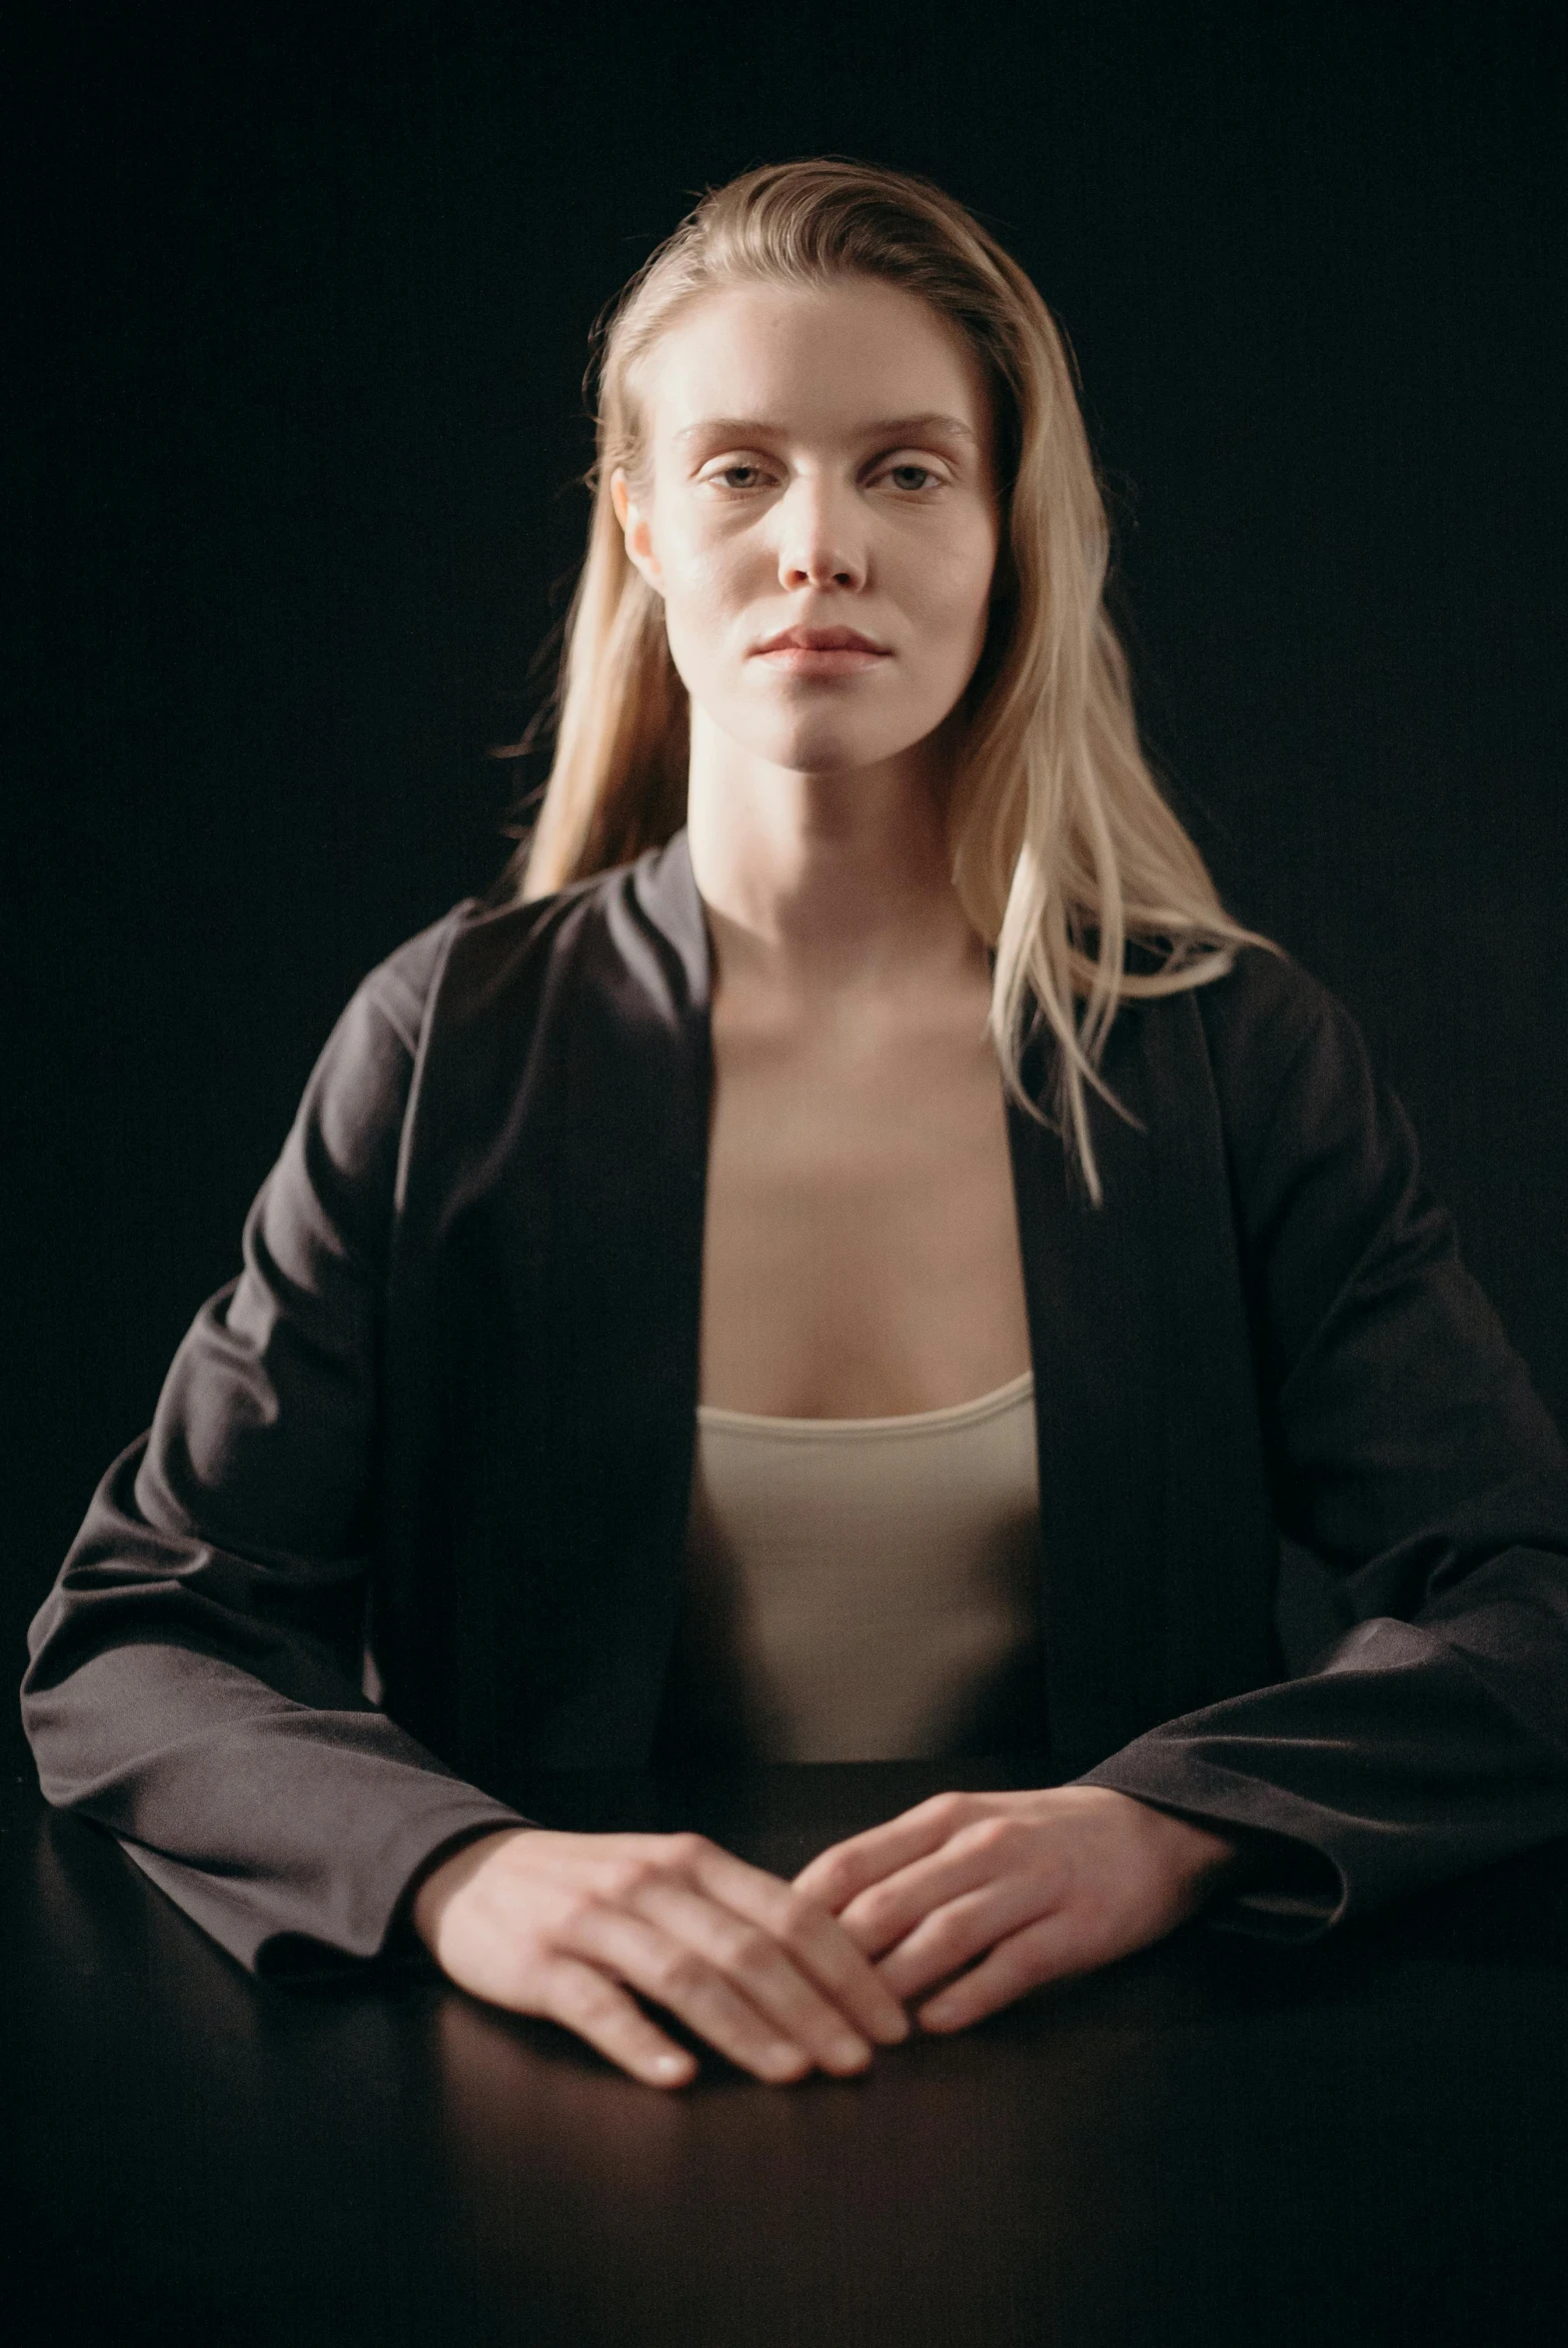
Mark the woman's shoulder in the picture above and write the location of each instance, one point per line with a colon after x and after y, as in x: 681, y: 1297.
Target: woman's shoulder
x: 1265, y: 1008
x: 488, y: 953
x: 1295, y: 1081
x: 478, y: 930
x: 451, y: 1009
x: 1259, y: 1013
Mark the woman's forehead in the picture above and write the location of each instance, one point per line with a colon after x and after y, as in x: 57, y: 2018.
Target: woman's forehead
x: 847, y: 357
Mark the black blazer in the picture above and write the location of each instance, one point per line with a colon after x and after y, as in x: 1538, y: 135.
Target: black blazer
x: 409, y: 1519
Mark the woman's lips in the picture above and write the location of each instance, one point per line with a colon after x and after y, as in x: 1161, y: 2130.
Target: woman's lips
x: 827, y: 651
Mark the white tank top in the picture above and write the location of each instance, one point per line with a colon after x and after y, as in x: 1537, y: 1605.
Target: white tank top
x: 860, y: 1589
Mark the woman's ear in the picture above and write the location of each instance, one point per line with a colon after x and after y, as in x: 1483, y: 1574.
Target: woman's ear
x: 635, y: 526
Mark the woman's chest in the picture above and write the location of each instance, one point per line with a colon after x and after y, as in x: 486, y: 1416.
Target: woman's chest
x: 861, y: 1242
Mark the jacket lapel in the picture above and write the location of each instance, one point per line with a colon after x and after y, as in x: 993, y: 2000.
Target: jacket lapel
x: 1219, y: 1550
x: 1091, y: 1287
x: 1157, y: 1532
x: 624, y: 1293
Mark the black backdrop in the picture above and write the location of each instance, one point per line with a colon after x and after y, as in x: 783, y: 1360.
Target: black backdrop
x: 300, y: 300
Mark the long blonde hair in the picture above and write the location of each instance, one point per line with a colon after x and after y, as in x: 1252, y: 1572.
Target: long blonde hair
x: 1062, y: 850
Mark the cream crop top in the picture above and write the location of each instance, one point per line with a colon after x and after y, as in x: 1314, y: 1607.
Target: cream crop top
x: 860, y: 1588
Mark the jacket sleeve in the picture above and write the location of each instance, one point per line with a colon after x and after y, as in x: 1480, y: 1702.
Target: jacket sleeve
x: 1410, y: 1455
x: 195, y: 1674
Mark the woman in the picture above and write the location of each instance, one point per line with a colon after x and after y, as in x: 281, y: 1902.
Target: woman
x: 852, y: 1254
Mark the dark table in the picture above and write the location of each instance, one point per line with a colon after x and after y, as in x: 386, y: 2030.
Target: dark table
x: 1216, y: 2141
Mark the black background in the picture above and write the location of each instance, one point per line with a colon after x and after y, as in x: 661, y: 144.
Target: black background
x: 299, y: 301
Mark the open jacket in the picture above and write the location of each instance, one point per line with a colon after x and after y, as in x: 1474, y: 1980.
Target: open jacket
x: 409, y: 1519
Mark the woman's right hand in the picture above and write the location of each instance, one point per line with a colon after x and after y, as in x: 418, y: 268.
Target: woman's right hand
x: 568, y: 1925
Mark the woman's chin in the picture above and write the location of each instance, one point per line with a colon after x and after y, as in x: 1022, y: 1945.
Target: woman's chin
x: 825, y: 751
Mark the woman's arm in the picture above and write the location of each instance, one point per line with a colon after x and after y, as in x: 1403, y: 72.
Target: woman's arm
x: 1408, y: 1451
x: 195, y: 1674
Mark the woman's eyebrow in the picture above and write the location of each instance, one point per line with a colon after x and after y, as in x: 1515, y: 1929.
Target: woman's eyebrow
x: 897, y: 428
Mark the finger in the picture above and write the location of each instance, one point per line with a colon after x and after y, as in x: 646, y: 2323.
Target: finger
x: 746, y: 1953
x: 582, y: 1999
x: 815, y: 1941
x: 954, y: 1934
x: 1052, y: 1950
x: 878, y: 1918
x: 679, y: 1977
x: 836, y: 1875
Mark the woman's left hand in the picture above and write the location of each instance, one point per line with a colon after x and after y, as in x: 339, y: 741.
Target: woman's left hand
x: 1009, y: 1891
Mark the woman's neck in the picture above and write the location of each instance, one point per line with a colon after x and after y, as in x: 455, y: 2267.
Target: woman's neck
x: 827, y: 884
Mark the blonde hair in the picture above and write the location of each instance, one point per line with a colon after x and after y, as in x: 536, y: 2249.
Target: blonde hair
x: 1064, y: 852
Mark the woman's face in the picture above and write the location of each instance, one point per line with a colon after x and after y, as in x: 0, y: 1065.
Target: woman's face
x: 820, y: 515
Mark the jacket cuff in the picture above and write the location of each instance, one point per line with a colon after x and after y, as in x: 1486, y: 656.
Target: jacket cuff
x: 1290, y: 1888
x: 357, y: 1923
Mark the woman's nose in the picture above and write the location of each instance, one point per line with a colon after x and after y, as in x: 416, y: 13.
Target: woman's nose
x: 820, y: 545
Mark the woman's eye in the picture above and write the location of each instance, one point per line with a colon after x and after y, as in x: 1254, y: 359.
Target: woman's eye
x: 910, y: 477
x: 739, y: 476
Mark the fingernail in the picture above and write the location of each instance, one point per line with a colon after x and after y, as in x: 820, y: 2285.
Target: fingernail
x: 673, y: 2067
x: 782, y: 2059
x: 848, y: 2052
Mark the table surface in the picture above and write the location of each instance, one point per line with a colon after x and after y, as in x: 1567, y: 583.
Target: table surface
x: 1216, y: 2141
